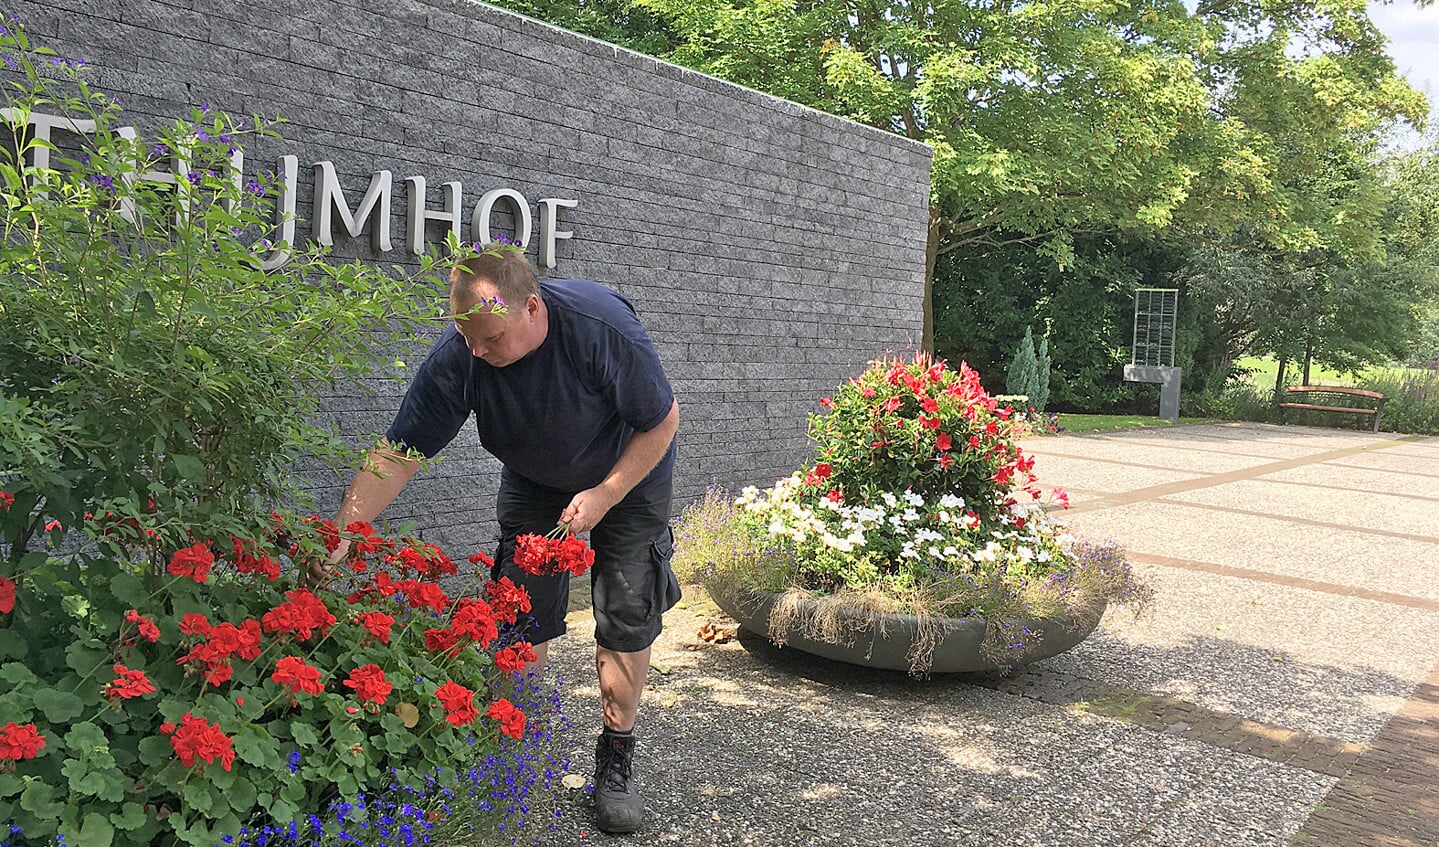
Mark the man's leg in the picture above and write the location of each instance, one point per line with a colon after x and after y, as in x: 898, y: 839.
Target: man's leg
x: 632, y: 588
x: 622, y: 681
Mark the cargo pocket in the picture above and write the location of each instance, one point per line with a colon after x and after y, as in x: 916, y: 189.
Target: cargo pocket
x: 667, y: 587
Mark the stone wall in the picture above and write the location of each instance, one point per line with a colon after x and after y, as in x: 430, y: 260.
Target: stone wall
x: 770, y: 249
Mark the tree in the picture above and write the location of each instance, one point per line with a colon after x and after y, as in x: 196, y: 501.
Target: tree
x: 1050, y: 120
x: 1022, y: 377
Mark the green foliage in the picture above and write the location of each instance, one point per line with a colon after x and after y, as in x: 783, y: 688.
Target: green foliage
x: 1022, y: 377
x: 158, y: 386
x: 1411, y: 398
x: 1039, y: 400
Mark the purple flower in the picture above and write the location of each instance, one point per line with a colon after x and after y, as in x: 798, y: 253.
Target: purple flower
x: 255, y: 188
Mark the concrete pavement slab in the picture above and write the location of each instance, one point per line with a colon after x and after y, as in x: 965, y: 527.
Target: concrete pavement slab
x: 1352, y: 558
x: 1362, y: 510
x: 1331, y: 665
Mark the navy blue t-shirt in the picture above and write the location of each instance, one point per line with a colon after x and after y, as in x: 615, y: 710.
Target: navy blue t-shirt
x: 561, y: 416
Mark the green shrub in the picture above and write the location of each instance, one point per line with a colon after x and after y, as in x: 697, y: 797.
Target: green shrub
x: 157, y: 387
x: 1411, y: 398
x: 1022, y: 377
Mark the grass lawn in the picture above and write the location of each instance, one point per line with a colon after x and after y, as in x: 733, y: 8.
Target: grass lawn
x: 1094, y: 423
x: 1262, y: 372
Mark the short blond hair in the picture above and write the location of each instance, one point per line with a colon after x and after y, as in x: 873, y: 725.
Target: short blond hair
x: 502, y: 266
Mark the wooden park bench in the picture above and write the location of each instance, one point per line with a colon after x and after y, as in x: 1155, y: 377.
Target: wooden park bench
x: 1332, y: 395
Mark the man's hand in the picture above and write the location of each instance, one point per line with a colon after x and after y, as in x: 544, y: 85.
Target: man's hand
x: 321, y: 573
x: 588, y: 508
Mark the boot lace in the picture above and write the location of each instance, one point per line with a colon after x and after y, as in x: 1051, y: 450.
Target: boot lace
x: 616, y: 769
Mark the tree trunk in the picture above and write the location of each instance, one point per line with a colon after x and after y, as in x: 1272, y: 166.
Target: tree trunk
x: 931, y: 253
x: 1279, y: 381
x: 1308, y: 357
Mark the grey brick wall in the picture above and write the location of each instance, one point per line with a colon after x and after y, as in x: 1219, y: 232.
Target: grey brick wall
x: 770, y: 249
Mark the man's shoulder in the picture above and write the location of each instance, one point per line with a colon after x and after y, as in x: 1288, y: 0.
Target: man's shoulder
x: 590, y: 306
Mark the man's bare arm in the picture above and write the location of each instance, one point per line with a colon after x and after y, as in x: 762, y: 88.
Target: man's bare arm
x: 385, y: 473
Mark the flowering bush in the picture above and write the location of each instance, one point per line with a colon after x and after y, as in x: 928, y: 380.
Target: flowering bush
x: 167, y: 673
x: 151, y: 699
x: 918, y: 501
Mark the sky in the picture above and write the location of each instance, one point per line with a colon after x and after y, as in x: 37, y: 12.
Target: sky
x: 1413, y: 41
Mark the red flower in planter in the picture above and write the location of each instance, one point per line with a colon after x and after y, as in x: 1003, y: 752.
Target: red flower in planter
x: 6, y: 500
x: 458, y: 702
x: 475, y: 620
x: 507, y: 599
x: 19, y: 742
x: 247, y: 562
x: 193, y: 561
x: 440, y: 640
x: 197, y: 738
x: 512, y: 720
x: 424, y: 594
x: 7, y: 596
x: 128, y: 684
x: 369, y: 684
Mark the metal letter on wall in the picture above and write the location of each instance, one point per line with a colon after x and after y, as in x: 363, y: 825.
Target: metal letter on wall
x: 329, y: 197
x: 287, y: 179
x: 43, y: 123
x: 419, y: 215
x: 480, y: 220
x: 549, y: 233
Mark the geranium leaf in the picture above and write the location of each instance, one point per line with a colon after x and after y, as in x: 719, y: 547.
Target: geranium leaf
x: 58, y: 707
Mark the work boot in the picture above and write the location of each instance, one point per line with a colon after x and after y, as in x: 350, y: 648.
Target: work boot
x: 618, y: 806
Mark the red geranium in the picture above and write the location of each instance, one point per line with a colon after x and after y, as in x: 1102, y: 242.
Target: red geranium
x: 19, y: 742
x: 146, y: 626
x: 514, y: 657
x: 128, y: 684
x: 369, y: 684
x: 197, y: 738
x: 458, y: 702
x: 512, y: 720
x: 7, y: 596
x: 193, y: 561
x: 247, y: 562
x: 301, y: 678
x: 6, y: 500
x: 475, y: 620
x: 424, y: 594
x: 507, y: 599
x: 300, y: 616
x: 547, y: 555
x: 442, y: 640
x: 378, y: 623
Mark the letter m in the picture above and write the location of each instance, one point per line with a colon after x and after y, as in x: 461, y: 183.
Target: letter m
x: 330, y: 198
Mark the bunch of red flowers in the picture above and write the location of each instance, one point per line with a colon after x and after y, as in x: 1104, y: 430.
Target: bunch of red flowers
x: 197, y: 738
x: 219, y: 644
x: 458, y: 703
x: 555, y: 553
x: 512, y: 720
x: 300, y: 616
x: 128, y: 684
x: 17, y: 743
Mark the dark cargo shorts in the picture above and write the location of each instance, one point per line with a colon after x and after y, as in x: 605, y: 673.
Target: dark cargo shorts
x: 631, y: 581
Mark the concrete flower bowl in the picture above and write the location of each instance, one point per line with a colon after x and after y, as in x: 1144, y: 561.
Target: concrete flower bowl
x: 888, y: 640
